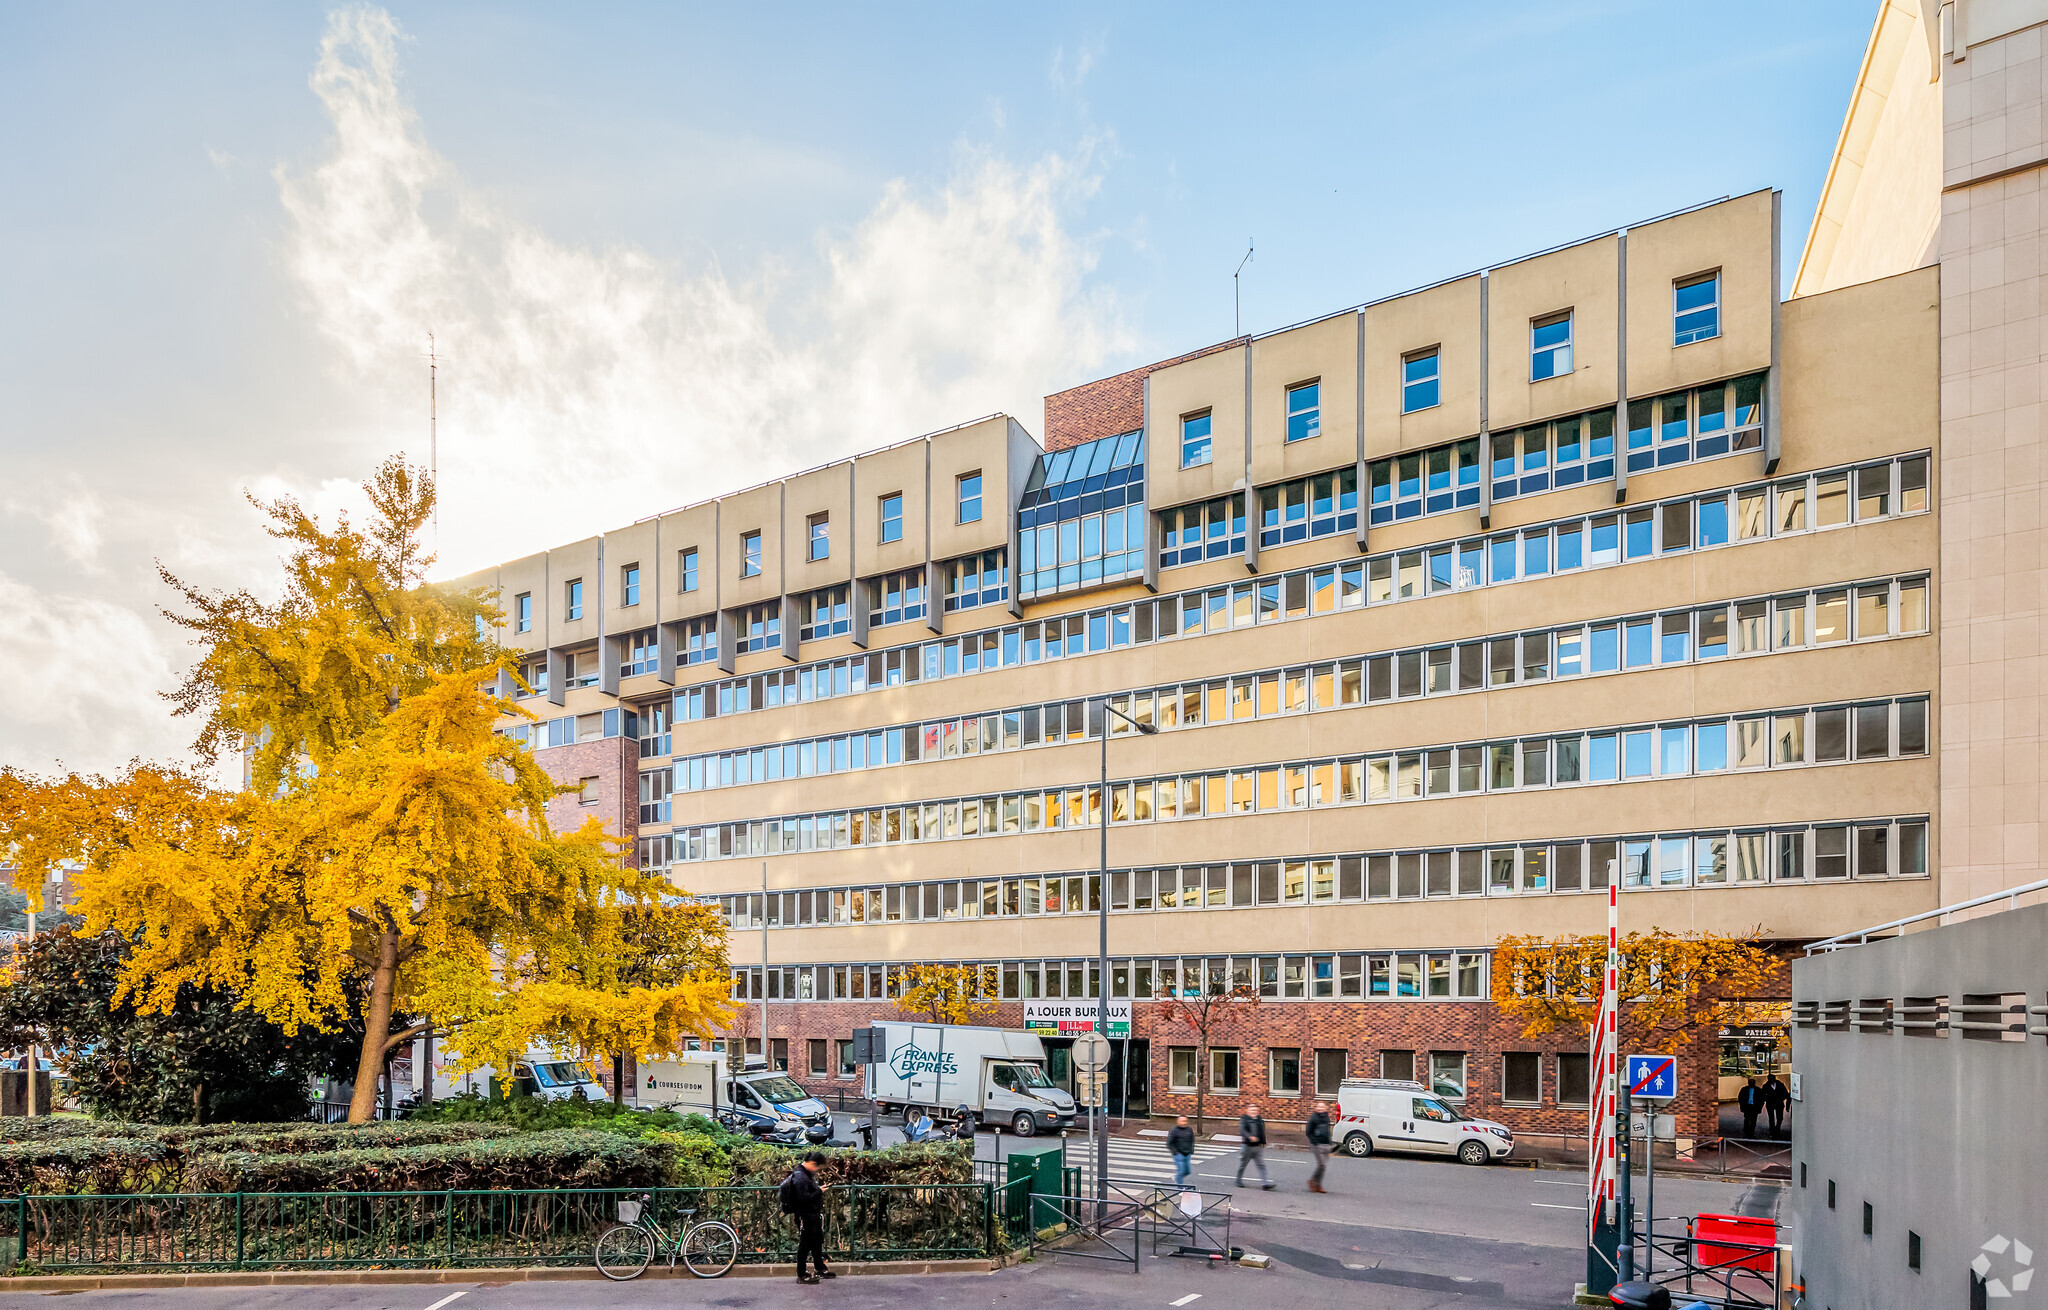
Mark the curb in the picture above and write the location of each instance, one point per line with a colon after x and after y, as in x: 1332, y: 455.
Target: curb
x: 486, y: 1277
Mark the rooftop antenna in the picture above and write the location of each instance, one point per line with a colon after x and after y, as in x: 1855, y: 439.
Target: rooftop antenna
x: 1236, y: 302
x: 434, y: 435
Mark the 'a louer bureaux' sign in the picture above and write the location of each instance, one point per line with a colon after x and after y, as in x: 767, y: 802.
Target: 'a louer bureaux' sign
x: 1068, y: 1017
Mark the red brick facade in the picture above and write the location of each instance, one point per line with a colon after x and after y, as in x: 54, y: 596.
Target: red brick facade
x: 1362, y: 1029
x: 1108, y: 406
x: 613, y: 798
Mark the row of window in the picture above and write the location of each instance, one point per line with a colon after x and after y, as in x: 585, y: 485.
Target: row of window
x: 1752, y: 513
x: 1445, y: 1072
x: 1209, y: 529
x: 1789, y: 738
x: 1308, y: 507
x: 1383, y: 976
x: 818, y: 530
x: 1862, y: 849
x: 1731, y: 629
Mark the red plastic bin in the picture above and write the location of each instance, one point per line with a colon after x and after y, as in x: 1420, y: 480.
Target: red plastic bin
x: 1724, y: 1241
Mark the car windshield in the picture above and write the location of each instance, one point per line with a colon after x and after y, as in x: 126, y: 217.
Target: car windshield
x: 1032, y: 1076
x: 563, y: 1073
x: 779, y: 1090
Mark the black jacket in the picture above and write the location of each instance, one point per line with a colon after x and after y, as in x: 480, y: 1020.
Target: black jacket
x: 1750, y: 1098
x: 1775, y: 1093
x: 1180, y: 1140
x: 1319, y: 1129
x: 1253, y: 1131
x: 801, y: 1193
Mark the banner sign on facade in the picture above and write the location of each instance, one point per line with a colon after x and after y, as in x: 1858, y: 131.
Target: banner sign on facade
x: 1068, y: 1017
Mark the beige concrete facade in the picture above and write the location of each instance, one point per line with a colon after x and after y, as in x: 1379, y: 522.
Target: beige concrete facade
x: 1941, y: 163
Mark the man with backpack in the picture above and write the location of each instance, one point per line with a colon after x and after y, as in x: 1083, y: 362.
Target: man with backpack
x: 1251, y: 1135
x: 803, y: 1198
x: 1318, y: 1133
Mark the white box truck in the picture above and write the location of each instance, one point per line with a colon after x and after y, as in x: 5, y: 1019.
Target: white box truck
x: 997, y: 1073
x: 541, y: 1072
x: 698, y: 1082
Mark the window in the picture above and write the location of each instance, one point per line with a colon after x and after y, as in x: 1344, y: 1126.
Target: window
x: 1574, y: 1079
x: 1447, y: 1074
x: 1696, y: 309
x: 896, y: 598
x: 847, y: 1068
x: 686, y: 569
x: 760, y: 627
x: 824, y: 613
x: 1330, y: 1066
x: 892, y: 517
x: 976, y: 580
x: 816, y: 1049
x: 1080, y: 518
x: 643, y: 654
x: 1209, y: 529
x: 697, y: 641
x: 1194, y: 440
x: 586, y: 791
x: 522, y: 610
x: 1283, y: 1071
x: 1223, y: 1069
x: 1180, y: 1076
x: 970, y: 497
x: 1550, y: 346
x: 778, y: 1054
x: 1419, y: 379
x: 820, y: 537
x: 1521, y: 1079
x: 1398, y: 1065
x: 1304, y: 411
x: 574, y: 600
x: 1310, y: 507
x: 750, y: 555
x: 629, y: 585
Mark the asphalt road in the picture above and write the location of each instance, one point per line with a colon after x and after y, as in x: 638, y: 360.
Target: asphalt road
x: 1391, y: 1234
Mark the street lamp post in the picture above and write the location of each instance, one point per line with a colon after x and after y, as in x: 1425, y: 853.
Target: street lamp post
x: 1102, y: 945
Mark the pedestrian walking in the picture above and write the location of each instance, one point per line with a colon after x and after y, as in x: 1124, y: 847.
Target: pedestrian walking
x: 1749, y: 1100
x: 1776, y: 1101
x: 1251, y: 1132
x: 1180, y: 1144
x: 1318, y: 1132
x: 803, y: 1199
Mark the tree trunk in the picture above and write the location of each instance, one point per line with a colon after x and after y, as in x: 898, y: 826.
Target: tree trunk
x: 362, y: 1106
x: 1201, y: 1085
x: 619, y: 1079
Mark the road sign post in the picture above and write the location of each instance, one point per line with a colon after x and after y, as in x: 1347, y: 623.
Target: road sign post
x: 1645, y: 1078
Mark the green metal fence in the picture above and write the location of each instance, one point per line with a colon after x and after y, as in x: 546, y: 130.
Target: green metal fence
x: 271, y: 1230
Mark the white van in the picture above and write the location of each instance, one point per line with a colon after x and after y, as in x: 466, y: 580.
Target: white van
x: 1384, y: 1114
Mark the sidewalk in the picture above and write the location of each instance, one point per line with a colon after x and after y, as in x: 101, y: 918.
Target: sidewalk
x: 47, y: 1283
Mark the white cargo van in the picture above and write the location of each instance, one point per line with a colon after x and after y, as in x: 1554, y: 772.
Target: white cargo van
x: 997, y: 1073
x: 698, y: 1081
x: 541, y: 1073
x: 1384, y: 1114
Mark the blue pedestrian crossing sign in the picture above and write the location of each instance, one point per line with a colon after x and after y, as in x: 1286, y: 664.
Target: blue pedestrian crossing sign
x: 1652, y: 1077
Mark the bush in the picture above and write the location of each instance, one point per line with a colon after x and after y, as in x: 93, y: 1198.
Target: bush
x: 69, y: 1164
x: 910, y: 1163
x: 557, y: 1158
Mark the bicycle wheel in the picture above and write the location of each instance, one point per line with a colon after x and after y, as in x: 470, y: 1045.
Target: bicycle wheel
x: 709, y: 1249
x: 623, y: 1252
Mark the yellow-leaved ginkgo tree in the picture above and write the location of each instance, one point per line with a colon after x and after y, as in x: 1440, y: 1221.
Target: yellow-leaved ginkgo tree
x: 391, y: 848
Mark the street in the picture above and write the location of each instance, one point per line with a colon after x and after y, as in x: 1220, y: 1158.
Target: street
x: 1392, y: 1233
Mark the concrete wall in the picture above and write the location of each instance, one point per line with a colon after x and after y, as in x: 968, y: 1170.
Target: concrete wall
x: 1944, y: 1136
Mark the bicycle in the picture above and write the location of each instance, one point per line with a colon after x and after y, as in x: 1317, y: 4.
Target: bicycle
x: 708, y: 1249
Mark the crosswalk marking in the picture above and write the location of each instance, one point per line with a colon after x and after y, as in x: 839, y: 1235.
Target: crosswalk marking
x: 1143, y: 1160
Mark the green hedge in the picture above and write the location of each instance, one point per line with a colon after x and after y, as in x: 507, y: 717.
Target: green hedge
x: 86, y: 1164
x: 561, y: 1158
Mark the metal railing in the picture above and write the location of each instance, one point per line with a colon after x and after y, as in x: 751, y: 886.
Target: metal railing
x: 2011, y: 897
x: 1727, y: 1274
x: 1108, y: 1228
x: 249, y: 1230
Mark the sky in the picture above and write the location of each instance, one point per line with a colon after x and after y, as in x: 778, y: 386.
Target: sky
x: 667, y: 251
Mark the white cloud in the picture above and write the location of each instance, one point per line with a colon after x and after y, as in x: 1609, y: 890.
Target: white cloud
x: 584, y: 388
x: 73, y: 517
x: 86, y: 675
